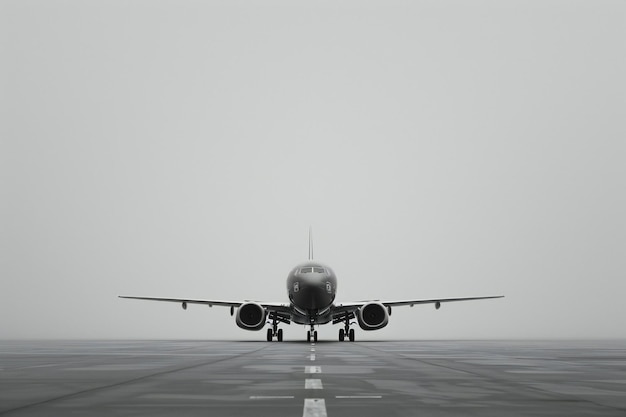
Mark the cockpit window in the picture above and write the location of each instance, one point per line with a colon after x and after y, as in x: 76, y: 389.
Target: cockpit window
x: 309, y: 269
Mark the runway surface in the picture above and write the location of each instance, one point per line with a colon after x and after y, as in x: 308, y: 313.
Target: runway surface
x: 219, y: 378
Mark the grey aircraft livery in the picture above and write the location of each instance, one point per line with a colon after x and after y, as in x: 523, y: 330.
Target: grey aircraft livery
x: 311, y: 287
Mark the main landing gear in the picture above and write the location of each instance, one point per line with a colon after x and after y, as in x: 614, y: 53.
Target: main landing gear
x: 278, y: 334
x: 343, y: 333
x: 346, y: 331
x: 274, y: 331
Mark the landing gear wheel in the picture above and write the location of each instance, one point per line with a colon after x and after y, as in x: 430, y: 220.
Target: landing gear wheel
x: 270, y: 334
x: 315, y: 336
x: 308, y: 336
x: 342, y: 335
x: 279, y: 336
x: 351, y: 335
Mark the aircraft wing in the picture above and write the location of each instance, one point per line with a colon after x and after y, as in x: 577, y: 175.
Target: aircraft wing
x: 342, y: 308
x: 184, y: 301
x: 435, y: 300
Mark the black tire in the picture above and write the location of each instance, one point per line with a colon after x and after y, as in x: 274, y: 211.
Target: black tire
x: 351, y: 335
x: 342, y: 335
x: 315, y: 336
x: 270, y: 333
x: 280, y: 335
x: 308, y: 335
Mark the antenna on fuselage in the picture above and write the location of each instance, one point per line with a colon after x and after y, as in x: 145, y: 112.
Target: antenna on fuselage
x: 310, y: 243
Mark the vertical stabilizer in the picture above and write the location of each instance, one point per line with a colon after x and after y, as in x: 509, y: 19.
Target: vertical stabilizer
x: 310, y: 243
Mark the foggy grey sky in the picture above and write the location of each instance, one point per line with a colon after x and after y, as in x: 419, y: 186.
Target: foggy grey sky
x: 438, y: 148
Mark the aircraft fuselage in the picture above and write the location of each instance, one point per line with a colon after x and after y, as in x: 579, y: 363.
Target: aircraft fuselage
x: 311, y: 287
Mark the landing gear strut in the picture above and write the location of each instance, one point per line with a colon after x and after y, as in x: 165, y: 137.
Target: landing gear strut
x: 275, y: 331
x: 311, y: 334
x: 346, y: 331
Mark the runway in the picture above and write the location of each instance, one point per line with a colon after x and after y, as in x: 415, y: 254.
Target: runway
x: 237, y: 378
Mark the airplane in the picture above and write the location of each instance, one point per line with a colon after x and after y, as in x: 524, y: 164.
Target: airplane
x: 311, y: 289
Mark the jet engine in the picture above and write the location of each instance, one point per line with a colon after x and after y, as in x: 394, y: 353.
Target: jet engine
x: 251, y: 316
x: 372, y: 316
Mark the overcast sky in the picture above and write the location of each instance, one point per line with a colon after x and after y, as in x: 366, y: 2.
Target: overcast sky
x: 438, y: 149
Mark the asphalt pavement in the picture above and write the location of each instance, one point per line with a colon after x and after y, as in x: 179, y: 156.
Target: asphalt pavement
x: 375, y: 378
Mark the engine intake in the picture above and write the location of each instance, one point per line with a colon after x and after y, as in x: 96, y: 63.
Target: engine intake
x: 373, y: 316
x: 251, y: 316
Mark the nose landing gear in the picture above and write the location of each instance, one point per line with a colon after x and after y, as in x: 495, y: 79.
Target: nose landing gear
x: 311, y: 334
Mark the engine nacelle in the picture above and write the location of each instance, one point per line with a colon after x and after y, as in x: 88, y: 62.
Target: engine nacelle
x: 251, y: 316
x: 372, y: 316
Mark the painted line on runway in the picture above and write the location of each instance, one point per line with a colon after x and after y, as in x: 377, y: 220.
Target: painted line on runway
x: 48, y: 365
x: 314, y: 407
x: 271, y: 397
x: 358, y: 396
x: 312, y: 369
x: 313, y: 356
x: 113, y: 354
x: 313, y: 384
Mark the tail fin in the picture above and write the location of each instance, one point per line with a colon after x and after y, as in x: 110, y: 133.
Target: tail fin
x: 310, y: 243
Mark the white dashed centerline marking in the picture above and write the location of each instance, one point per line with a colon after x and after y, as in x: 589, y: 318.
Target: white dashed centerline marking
x: 312, y: 369
x: 314, y: 407
x: 313, y: 384
x: 312, y: 356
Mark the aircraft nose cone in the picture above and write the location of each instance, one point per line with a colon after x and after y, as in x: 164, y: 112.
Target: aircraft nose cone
x: 313, y: 296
